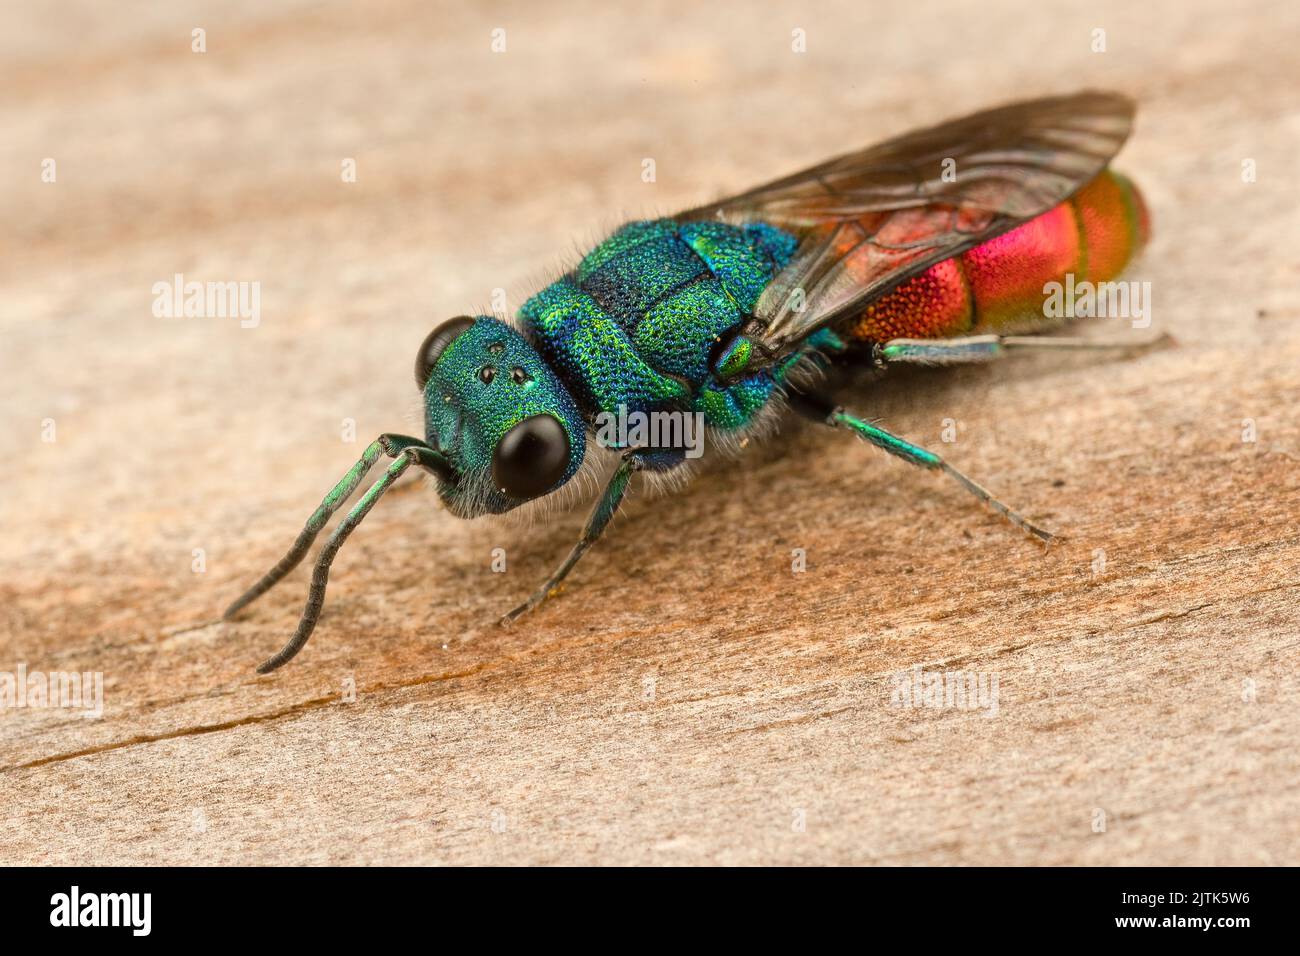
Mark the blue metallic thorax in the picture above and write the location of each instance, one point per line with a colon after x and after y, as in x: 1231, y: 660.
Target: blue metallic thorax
x: 635, y: 324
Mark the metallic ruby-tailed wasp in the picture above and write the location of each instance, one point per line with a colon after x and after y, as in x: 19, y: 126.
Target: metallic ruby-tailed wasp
x: 931, y: 248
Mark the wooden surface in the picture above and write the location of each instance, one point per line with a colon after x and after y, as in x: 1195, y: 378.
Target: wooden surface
x: 689, y: 699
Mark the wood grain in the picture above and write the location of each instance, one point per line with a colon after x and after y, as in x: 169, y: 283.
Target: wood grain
x: 689, y: 698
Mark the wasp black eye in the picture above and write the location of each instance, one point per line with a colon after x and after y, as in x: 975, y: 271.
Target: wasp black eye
x: 531, y: 457
x: 435, y: 343
x: 518, y: 375
x: 486, y: 374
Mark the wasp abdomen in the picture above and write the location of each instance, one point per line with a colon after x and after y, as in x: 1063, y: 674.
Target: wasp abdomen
x: 999, y: 283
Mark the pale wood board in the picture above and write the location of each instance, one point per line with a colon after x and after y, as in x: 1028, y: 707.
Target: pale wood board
x: 688, y: 699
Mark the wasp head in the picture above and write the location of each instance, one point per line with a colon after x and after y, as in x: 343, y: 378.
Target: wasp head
x: 503, y: 420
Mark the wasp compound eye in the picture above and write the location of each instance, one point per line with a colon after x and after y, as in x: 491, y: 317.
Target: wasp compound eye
x: 531, y: 457
x: 435, y: 343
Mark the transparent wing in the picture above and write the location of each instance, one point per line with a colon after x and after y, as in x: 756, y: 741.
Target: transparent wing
x: 869, y: 220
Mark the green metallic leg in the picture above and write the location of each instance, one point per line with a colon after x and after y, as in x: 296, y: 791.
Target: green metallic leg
x: 600, y: 517
x: 406, y: 451
x: 986, y: 348
x: 821, y: 410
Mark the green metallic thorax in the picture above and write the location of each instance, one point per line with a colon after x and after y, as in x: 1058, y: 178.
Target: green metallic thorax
x: 636, y: 324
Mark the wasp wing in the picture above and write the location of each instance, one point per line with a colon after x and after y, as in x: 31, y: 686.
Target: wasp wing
x: 870, y: 220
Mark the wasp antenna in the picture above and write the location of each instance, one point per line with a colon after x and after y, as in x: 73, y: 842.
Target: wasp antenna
x: 337, y: 495
x: 321, y: 573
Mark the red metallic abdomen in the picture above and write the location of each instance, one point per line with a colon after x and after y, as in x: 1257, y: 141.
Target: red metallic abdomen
x: 999, y: 283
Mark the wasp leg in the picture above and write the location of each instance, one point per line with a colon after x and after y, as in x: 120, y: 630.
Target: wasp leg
x: 605, y: 508
x: 986, y: 348
x: 819, y: 409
